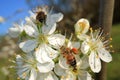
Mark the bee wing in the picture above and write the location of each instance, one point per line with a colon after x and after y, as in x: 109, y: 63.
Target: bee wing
x: 94, y: 62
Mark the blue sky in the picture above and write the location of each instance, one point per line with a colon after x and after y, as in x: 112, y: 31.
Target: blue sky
x: 8, y: 10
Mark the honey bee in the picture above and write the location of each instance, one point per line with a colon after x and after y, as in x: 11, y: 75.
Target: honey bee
x: 41, y: 16
x: 69, y: 55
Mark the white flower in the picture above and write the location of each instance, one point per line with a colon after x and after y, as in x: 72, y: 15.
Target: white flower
x: 81, y: 28
x: 15, y: 30
x: 69, y: 74
x: 28, y: 68
x: 95, y: 46
x: 43, y: 39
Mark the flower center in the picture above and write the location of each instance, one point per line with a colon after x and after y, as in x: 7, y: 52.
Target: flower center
x: 42, y: 39
x: 93, y: 44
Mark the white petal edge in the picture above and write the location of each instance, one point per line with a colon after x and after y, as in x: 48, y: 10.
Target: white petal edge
x: 30, y: 31
x: 51, y: 52
x: 53, y: 18
x: 28, y: 45
x: 49, y: 29
x: 47, y: 76
x: 33, y: 75
x: 104, y: 55
x: 85, y: 47
x: 45, y: 67
x: 57, y: 40
x: 84, y: 75
x: 43, y: 55
x: 63, y: 63
x: 14, y: 32
x: 59, y: 71
x: 82, y: 28
x: 94, y: 62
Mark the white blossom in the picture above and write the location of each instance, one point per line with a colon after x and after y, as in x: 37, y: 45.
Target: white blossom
x: 81, y: 28
x: 28, y: 68
x: 15, y: 30
x: 95, y: 47
x: 43, y: 39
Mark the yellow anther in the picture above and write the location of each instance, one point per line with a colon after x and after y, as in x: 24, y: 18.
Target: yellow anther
x: 62, y: 77
x: 18, y: 78
x: 111, y: 39
x: 91, y: 29
x: 95, y: 30
x: 36, y: 49
x: 81, y: 24
x: 111, y: 46
x: 97, y: 56
x: 24, y: 74
x: 113, y: 51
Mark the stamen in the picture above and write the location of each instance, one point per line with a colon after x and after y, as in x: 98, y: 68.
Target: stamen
x: 91, y: 31
x: 18, y: 78
x: 110, y: 39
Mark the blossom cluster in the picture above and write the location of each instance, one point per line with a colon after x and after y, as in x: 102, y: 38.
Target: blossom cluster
x: 49, y: 55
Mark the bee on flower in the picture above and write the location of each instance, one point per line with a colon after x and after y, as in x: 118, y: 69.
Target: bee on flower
x: 80, y: 73
x: 42, y: 37
x: 70, y: 66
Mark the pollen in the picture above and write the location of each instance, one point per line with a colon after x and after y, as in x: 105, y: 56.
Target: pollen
x: 97, y: 56
x: 18, y: 78
x: 36, y: 49
x: 24, y: 74
x: 111, y: 39
x: 111, y: 46
x: 91, y: 29
x: 82, y: 24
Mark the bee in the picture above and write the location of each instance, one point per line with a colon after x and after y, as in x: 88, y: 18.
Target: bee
x: 41, y: 16
x: 69, y: 55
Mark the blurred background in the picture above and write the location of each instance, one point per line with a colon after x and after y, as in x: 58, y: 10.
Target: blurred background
x: 14, y: 11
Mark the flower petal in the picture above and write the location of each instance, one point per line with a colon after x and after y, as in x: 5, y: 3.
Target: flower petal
x: 49, y: 29
x: 14, y: 32
x: 51, y: 19
x: 51, y: 52
x: 30, y: 31
x: 82, y: 37
x: 104, y: 55
x: 28, y: 45
x: 84, y: 75
x: 82, y: 26
x: 84, y: 63
x: 57, y: 40
x: 63, y: 62
x: 47, y: 76
x: 45, y: 67
x: 68, y: 76
x: 76, y: 44
x: 42, y: 54
x: 85, y: 47
x: 59, y: 71
x: 33, y: 75
x: 94, y: 62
